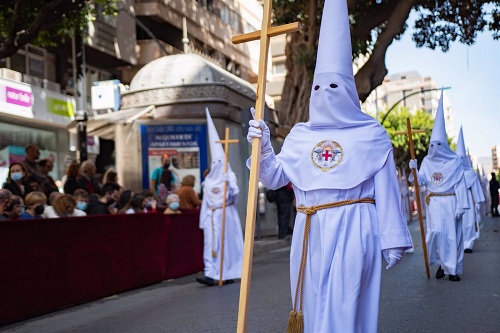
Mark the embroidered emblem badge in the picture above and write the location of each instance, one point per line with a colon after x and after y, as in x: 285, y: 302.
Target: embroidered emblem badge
x: 327, y: 155
x: 216, y: 193
x: 437, y: 178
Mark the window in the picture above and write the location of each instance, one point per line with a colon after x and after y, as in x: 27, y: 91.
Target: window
x: 279, y: 68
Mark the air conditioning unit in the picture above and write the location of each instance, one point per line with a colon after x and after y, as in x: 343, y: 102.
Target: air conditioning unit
x: 33, y: 80
x: 51, y: 85
x: 9, y: 74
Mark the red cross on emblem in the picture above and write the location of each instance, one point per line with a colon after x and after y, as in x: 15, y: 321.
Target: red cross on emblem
x: 326, y: 154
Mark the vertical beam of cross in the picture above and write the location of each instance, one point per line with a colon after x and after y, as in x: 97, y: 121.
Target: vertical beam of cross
x: 264, y: 35
x: 226, y: 143
x: 409, y: 133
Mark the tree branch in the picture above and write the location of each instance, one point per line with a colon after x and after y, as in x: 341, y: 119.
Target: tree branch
x: 373, y: 72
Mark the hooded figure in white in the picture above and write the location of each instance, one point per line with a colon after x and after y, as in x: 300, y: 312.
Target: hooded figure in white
x: 341, y: 159
x: 472, y: 216
x: 442, y: 173
x: 211, y: 217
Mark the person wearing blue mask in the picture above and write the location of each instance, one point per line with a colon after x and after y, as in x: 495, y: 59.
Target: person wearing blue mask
x: 82, y: 199
x: 17, y: 180
x: 172, y: 204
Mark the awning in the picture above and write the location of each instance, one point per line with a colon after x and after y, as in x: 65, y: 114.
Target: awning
x: 103, y: 125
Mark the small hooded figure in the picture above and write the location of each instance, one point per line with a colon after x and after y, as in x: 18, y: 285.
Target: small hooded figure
x: 472, y: 216
x: 349, y: 211
x: 442, y: 173
x: 211, y: 217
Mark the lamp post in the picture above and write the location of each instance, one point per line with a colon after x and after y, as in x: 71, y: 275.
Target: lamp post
x: 406, y: 96
x: 81, y: 135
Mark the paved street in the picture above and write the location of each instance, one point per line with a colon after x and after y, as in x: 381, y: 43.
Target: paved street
x: 409, y: 302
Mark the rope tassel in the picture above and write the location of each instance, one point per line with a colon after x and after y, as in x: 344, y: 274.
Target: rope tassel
x: 295, y: 322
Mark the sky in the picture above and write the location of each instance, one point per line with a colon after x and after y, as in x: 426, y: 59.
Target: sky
x: 473, y: 72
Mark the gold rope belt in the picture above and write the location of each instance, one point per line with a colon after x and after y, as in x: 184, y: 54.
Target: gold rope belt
x: 432, y: 194
x: 213, y: 209
x: 295, y: 322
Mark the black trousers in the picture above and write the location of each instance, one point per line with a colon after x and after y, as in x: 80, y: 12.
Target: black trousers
x: 494, y: 206
x: 284, y: 215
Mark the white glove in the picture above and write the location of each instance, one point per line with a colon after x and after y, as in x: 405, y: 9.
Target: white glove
x: 413, y: 164
x: 259, y: 129
x: 459, y: 212
x: 230, y: 179
x: 227, y: 176
x: 393, y: 256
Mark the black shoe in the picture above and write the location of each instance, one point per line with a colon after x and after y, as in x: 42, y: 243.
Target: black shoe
x: 227, y: 281
x: 440, y: 273
x: 454, y: 278
x: 206, y: 280
x: 468, y: 251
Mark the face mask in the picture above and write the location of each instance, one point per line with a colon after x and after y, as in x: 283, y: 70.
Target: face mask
x: 16, y: 176
x: 39, y: 210
x: 173, y: 205
x: 111, y: 202
x: 21, y: 211
x: 149, y: 204
x: 166, y: 165
x: 81, y: 205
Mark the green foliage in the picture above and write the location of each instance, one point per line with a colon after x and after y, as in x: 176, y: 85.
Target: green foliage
x: 46, y: 22
x: 420, y: 120
x: 396, y: 122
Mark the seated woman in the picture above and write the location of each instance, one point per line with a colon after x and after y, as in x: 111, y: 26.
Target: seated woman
x: 187, y: 196
x: 172, y: 204
x: 137, y: 204
x: 62, y: 206
x: 35, y: 205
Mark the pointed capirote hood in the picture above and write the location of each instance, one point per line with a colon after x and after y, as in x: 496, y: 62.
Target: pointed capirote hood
x: 442, y: 167
x: 334, y: 99
x: 439, y: 128
x: 461, y: 151
x: 470, y: 174
x: 216, y: 150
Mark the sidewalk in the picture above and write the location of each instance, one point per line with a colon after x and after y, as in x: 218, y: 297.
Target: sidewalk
x: 267, y: 244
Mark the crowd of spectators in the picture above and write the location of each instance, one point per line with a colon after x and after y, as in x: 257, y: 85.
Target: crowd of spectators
x: 31, y: 193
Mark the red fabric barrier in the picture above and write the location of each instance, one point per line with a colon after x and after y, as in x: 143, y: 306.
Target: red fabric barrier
x: 184, y: 243
x: 50, y: 264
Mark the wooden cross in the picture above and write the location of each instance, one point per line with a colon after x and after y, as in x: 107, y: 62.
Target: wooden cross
x: 410, y: 132
x: 226, y: 143
x: 264, y: 35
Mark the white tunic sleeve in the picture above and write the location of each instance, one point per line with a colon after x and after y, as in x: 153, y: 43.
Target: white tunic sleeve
x: 393, y: 230
x: 477, y: 192
x: 271, y: 172
x: 461, y: 194
x: 421, y: 178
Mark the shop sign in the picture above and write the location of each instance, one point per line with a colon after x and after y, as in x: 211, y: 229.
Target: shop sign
x: 16, y: 98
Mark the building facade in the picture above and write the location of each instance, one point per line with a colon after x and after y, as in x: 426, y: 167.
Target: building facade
x: 116, y: 48
x: 410, y: 90
x: 193, y: 65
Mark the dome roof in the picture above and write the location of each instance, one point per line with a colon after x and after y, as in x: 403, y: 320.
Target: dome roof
x: 185, y: 69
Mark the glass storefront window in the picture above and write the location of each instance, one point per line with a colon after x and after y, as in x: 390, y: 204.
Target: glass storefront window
x: 22, y: 136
